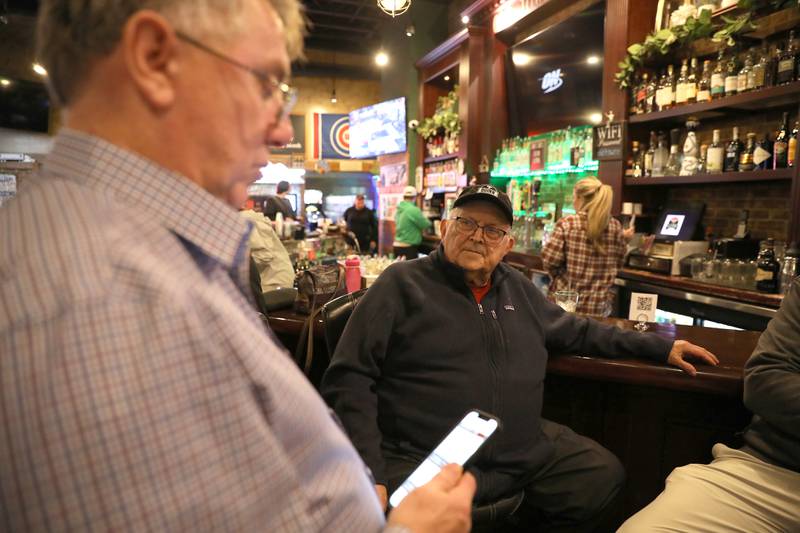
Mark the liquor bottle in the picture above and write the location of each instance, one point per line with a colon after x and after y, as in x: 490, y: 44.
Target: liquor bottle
x: 772, y: 66
x: 701, y: 163
x: 760, y: 68
x: 786, y: 63
x: 731, y: 76
x: 792, y: 145
x: 680, y: 85
x: 746, y: 162
x: 780, y: 147
x: 633, y: 88
x: 691, y: 82
x: 650, y: 95
x: 669, y: 89
x: 649, y: 155
x: 660, y: 156
x: 704, y: 85
x: 762, y: 157
x: 744, y: 74
x: 660, y: 85
x: 641, y: 94
x: 674, y: 159
x: 732, y: 153
x: 690, y: 149
x: 636, y: 167
x: 715, y: 155
x: 718, y: 79
x: 767, y: 269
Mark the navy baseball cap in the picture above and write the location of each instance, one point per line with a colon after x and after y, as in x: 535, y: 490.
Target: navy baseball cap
x: 486, y: 193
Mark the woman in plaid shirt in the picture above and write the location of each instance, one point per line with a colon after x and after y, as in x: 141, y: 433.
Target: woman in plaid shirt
x: 586, y: 249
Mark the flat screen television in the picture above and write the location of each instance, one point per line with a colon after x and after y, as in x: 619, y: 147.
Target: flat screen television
x: 680, y: 223
x: 555, y: 77
x: 24, y: 105
x: 378, y: 129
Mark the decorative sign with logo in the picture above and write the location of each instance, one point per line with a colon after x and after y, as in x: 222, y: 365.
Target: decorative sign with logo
x: 552, y: 81
x: 608, y: 141
x: 298, y: 142
x: 331, y: 136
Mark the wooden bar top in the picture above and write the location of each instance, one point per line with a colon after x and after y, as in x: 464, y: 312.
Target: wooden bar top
x: 731, y: 347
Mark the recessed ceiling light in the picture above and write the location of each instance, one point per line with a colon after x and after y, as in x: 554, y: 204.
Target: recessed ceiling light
x: 521, y: 58
x: 593, y: 60
x: 447, y: 78
x: 596, y: 118
x: 381, y: 59
x: 39, y: 69
x: 4, y: 82
x: 465, y: 19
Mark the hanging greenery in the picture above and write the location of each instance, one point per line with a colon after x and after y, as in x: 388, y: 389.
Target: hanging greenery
x: 444, y: 121
x: 662, y: 42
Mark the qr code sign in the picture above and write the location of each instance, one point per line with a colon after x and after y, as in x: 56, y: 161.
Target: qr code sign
x: 644, y: 303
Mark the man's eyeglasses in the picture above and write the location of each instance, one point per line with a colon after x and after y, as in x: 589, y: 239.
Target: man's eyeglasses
x: 269, y: 84
x: 492, y: 234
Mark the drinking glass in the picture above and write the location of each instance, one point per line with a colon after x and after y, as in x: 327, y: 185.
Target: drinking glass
x: 567, y: 300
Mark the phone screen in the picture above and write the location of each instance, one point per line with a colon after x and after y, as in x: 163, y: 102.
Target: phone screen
x: 457, y: 447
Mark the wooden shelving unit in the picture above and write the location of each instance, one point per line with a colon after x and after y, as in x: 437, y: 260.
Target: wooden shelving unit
x: 725, y: 177
x: 440, y: 158
x: 770, y: 97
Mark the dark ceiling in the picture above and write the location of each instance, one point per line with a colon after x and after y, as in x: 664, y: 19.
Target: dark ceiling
x: 337, y: 25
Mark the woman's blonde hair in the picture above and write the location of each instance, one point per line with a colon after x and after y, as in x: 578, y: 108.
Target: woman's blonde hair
x: 595, y: 200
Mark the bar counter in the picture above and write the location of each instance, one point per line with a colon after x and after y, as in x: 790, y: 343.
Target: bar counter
x: 732, y: 347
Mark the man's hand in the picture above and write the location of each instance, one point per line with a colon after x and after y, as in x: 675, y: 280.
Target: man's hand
x: 682, y: 349
x: 383, y: 496
x: 442, y: 505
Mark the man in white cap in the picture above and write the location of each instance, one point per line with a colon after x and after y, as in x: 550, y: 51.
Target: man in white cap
x: 409, y: 223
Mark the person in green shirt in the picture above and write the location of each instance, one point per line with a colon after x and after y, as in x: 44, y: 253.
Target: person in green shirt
x: 409, y: 223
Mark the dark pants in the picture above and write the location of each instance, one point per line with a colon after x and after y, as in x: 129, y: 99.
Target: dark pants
x: 409, y: 252
x: 574, y: 491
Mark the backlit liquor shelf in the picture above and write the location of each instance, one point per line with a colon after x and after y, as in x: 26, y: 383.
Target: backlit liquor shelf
x: 768, y: 97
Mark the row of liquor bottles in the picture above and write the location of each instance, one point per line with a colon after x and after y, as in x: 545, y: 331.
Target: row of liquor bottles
x: 443, y: 174
x: 661, y: 158
x: 560, y: 150
x: 759, y: 68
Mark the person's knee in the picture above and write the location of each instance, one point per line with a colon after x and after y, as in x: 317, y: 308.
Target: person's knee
x: 606, y: 480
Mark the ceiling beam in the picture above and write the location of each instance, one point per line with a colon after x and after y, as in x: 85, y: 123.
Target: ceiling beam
x: 342, y: 14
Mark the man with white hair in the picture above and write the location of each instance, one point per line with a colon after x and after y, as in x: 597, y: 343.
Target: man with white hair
x: 138, y: 388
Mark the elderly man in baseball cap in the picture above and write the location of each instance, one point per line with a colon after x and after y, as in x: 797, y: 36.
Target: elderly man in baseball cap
x: 460, y: 330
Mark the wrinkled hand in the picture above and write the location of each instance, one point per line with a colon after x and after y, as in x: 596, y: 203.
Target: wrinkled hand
x: 683, y: 349
x: 443, y: 505
x: 383, y: 496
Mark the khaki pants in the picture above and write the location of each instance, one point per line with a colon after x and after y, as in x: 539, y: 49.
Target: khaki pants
x: 735, y: 492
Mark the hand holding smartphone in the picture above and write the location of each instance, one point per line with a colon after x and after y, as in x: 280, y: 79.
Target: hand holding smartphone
x: 463, y: 441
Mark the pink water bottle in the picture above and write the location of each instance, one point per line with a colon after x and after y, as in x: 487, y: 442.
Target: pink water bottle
x: 352, y: 273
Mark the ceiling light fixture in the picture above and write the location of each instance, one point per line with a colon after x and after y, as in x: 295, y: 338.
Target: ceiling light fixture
x: 521, y: 58
x: 381, y: 59
x: 595, y: 118
x: 410, y: 30
x: 394, y: 7
x: 593, y: 60
x: 333, y: 97
x: 39, y: 69
x: 4, y: 82
x: 447, y: 77
x: 465, y: 19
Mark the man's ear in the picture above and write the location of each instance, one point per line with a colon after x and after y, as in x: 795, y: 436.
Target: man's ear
x: 149, y: 47
x: 443, y: 227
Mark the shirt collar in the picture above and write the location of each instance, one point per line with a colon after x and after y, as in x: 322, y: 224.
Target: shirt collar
x: 180, y: 205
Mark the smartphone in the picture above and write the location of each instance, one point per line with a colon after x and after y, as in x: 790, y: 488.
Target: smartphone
x: 457, y: 447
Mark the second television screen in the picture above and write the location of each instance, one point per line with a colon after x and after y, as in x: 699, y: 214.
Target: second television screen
x: 378, y: 129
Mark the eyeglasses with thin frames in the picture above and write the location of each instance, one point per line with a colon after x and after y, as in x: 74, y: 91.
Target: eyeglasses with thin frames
x: 269, y: 84
x: 492, y: 234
